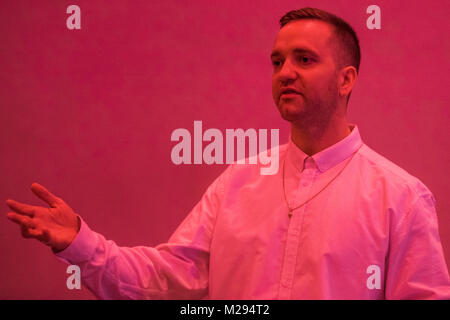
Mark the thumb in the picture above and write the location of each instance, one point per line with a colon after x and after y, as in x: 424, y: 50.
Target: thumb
x: 45, y: 195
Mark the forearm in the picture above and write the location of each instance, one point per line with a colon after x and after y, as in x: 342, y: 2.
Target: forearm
x: 168, y: 271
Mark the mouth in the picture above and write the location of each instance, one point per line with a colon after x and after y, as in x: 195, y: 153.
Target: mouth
x: 289, y: 93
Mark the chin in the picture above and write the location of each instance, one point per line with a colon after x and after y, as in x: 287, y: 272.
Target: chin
x: 290, y: 112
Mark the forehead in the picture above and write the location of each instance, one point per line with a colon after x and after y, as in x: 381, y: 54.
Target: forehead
x: 309, y: 34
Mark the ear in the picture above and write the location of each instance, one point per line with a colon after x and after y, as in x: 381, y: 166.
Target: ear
x: 346, y: 80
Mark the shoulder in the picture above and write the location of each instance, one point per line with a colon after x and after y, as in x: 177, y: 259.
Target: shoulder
x: 384, y: 173
x: 262, y: 166
x: 265, y: 163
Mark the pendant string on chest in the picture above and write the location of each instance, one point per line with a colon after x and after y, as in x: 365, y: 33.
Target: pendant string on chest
x: 317, y: 193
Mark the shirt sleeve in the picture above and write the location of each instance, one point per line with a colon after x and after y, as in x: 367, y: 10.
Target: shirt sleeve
x: 178, y: 269
x: 416, y: 263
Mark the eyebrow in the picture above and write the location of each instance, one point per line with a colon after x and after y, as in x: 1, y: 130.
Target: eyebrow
x: 277, y: 53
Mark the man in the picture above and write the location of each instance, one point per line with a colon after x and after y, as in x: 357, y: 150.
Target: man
x: 338, y: 221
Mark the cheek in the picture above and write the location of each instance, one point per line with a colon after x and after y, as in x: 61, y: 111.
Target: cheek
x: 321, y: 83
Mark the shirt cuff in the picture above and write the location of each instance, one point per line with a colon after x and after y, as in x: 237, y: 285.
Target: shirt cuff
x: 82, y: 247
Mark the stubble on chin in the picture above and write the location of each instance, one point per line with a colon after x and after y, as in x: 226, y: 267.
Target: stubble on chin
x: 314, y: 115
x: 291, y: 110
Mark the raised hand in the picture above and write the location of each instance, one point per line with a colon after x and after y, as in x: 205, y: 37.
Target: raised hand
x: 56, y: 226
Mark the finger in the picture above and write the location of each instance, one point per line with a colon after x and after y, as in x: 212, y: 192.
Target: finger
x: 26, y: 232
x: 20, y: 219
x: 39, y: 234
x: 44, y: 194
x: 14, y: 217
x: 45, y: 238
x: 35, y: 233
x: 21, y: 208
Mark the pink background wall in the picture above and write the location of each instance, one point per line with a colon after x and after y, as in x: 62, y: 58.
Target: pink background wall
x: 89, y: 113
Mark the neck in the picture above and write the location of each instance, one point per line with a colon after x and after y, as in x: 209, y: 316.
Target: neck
x: 313, y: 138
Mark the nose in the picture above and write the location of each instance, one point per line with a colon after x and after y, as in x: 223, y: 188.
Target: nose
x: 287, y: 72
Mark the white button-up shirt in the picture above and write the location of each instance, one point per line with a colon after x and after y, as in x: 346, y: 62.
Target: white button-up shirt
x: 371, y: 233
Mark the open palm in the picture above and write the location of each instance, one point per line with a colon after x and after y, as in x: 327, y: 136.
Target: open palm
x: 55, y: 226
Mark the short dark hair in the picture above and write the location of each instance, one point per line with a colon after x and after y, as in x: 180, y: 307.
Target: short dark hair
x: 349, y: 53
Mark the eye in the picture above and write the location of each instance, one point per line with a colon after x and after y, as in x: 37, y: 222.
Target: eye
x: 276, y: 63
x: 305, y: 60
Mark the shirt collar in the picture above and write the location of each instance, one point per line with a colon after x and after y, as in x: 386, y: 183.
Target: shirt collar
x: 328, y: 157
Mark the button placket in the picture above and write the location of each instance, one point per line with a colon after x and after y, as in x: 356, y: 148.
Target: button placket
x: 294, y: 231
x: 305, y: 183
x: 290, y: 256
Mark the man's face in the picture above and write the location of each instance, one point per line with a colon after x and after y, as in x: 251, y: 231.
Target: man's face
x: 304, y: 80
